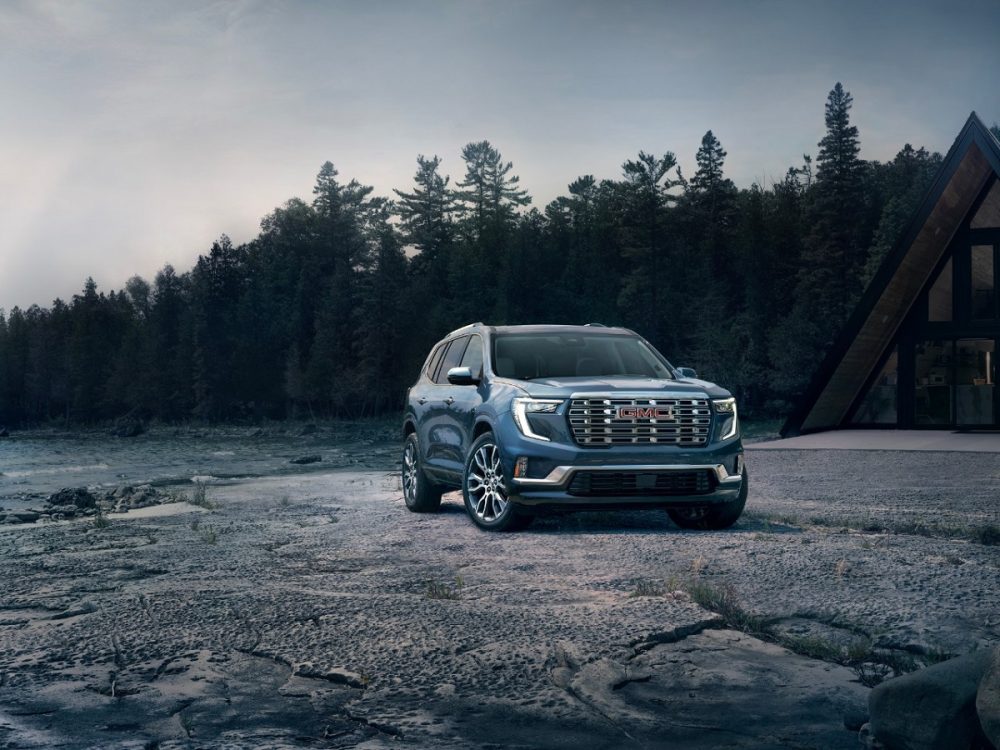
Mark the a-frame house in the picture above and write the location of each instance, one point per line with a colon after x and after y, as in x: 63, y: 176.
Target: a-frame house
x: 920, y: 350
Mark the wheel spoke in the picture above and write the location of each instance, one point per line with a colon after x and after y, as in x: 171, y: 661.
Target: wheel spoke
x: 481, y: 460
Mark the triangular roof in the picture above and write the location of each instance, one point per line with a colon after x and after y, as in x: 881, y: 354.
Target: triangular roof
x: 973, y: 160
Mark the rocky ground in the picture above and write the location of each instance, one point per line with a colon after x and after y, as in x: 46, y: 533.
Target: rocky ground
x: 312, y: 610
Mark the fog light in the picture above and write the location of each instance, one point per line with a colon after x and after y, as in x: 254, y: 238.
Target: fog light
x: 521, y: 466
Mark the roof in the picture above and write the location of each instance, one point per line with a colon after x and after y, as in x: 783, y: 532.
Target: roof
x: 971, y: 162
x: 591, y: 328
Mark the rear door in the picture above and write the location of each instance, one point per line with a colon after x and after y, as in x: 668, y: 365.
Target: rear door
x: 460, y: 414
x: 443, y: 440
x: 422, y: 394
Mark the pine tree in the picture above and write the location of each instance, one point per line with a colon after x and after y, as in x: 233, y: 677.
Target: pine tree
x: 900, y: 185
x: 487, y: 199
x: 426, y: 215
x: 708, y: 214
x: 835, y: 249
x: 647, y: 245
x: 829, y: 278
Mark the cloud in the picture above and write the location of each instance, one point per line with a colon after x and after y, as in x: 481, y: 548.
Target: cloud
x: 133, y: 134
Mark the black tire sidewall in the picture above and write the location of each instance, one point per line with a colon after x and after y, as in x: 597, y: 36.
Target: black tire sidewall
x: 425, y: 494
x: 718, y: 517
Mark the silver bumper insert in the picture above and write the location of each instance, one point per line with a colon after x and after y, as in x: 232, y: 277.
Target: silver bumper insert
x: 563, y: 474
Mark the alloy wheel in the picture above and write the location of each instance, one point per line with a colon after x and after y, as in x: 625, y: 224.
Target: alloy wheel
x: 484, y: 481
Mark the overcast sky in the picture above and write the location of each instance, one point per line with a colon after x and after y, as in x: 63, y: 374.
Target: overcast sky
x: 134, y: 133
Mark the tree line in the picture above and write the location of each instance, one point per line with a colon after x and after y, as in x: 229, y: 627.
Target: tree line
x: 331, y: 309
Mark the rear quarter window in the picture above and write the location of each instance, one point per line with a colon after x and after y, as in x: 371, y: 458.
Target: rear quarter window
x: 435, y: 359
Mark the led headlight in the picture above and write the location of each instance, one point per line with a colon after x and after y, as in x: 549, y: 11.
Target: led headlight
x: 726, y: 409
x: 522, y: 407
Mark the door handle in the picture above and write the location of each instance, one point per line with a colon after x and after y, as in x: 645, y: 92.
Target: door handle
x: 421, y: 400
x: 450, y: 400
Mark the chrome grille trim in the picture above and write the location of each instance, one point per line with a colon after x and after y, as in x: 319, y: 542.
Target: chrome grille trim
x: 593, y: 420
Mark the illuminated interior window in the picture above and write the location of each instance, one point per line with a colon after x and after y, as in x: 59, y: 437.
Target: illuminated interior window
x: 933, y: 383
x: 975, y: 375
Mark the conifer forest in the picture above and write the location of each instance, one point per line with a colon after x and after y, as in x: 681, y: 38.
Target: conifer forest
x: 332, y: 308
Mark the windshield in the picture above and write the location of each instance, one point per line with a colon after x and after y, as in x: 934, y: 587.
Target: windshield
x: 528, y: 356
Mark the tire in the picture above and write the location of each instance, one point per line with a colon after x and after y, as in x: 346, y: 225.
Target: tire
x: 485, y: 491
x: 420, y: 493
x: 712, y: 517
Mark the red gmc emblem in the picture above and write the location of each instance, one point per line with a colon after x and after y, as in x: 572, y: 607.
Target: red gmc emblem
x: 645, y: 412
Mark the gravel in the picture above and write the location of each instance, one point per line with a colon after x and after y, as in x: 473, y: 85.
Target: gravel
x: 313, y: 610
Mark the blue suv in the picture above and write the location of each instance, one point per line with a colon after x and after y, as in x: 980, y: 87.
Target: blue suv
x: 537, y: 418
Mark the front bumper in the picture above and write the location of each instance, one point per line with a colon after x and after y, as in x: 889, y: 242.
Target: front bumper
x: 562, y: 475
x: 634, y: 484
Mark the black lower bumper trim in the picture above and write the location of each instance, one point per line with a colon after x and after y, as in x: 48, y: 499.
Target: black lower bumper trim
x: 642, y: 483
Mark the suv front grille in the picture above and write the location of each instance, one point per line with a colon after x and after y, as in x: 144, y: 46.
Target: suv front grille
x: 641, y: 483
x: 595, y: 421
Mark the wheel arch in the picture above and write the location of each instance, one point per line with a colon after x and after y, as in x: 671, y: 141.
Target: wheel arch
x: 481, y: 427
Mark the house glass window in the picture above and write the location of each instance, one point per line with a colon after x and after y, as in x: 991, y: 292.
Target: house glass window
x: 974, y: 381
x: 933, y: 383
x: 983, y: 292
x: 939, y: 297
x: 879, y: 404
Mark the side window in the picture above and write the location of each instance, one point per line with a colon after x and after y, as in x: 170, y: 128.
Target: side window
x: 435, y: 359
x: 473, y: 358
x: 451, y: 359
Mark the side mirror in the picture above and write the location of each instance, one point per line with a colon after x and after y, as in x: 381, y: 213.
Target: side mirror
x: 684, y: 372
x: 461, y: 376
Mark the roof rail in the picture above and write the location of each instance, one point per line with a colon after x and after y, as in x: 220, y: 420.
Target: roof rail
x: 467, y: 325
x: 594, y: 325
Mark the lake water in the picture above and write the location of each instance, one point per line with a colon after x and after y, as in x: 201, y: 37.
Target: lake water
x: 33, y: 465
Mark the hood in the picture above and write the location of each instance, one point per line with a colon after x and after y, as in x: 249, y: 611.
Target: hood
x: 564, y: 387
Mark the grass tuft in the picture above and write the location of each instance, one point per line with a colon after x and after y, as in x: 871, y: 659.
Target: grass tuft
x: 438, y: 590
x: 199, y: 497
x: 725, y: 603
x: 100, y: 520
x: 647, y: 588
x: 208, y: 535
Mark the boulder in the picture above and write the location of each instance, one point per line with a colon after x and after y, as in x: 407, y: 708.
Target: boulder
x: 855, y: 718
x: 21, y: 516
x: 81, y: 497
x: 128, y: 427
x: 306, y: 460
x: 933, y: 709
x: 988, y: 700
